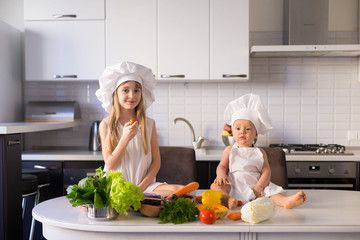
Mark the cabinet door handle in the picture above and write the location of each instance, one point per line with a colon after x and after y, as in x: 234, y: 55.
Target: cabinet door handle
x: 234, y: 76
x: 39, y: 167
x: 173, y: 76
x: 13, y: 142
x: 64, y: 15
x: 65, y: 76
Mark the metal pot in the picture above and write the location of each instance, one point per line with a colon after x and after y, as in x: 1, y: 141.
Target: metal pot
x: 94, y: 141
x: 100, y: 214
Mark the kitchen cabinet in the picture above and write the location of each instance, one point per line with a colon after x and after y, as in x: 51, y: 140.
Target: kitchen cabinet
x: 229, y: 39
x: 211, y: 42
x: 64, y: 39
x: 206, y: 173
x: 74, y: 171
x: 10, y: 186
x: 183, y: 39
x: 130, y: 40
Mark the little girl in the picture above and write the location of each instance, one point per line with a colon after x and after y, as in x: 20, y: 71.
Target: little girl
x: 244, y: 171
x: 131, y: 147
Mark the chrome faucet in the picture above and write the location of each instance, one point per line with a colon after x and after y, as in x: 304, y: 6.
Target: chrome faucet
x: 196, y: 143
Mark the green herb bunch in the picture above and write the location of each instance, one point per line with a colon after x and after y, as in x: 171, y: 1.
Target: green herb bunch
x: 178, y: 210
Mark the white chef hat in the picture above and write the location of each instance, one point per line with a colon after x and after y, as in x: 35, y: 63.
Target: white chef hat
x: 116, y: 74
x: 249, y: 107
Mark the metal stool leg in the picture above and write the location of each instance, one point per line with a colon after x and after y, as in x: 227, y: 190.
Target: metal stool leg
x: 23, y: 206
x: 36, y: 201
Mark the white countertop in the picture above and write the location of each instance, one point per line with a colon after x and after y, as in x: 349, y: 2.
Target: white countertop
x: 209, y: 155
x: 26, y: 127
x: 326, y: 211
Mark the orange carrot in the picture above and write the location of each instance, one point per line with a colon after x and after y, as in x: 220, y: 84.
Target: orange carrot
x: 234, y: 215
x: 186, y: 189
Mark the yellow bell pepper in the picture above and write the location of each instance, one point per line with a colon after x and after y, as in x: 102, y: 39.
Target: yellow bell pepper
x: 211, y: 197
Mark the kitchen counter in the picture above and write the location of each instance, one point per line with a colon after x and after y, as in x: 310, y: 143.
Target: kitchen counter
x: 26, y: 127
x: 327, y: 214
x: 208, y: 155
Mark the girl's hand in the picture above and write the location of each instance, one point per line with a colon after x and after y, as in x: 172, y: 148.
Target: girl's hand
x: 258, y: 191
x: 130, y: 129
x: 221, y: 180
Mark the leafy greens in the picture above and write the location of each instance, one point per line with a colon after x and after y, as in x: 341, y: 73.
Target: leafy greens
x: 124, y: 194
x: 103, y: 191
x: 179, y: 210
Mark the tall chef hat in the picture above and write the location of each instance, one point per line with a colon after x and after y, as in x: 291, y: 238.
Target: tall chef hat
x: 116, y: 74
x: 249, y: 107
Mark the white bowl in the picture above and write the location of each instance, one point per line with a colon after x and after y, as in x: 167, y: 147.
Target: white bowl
x: 228, y: 140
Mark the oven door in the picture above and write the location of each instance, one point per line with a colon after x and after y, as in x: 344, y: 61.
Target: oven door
x: 322, y: 183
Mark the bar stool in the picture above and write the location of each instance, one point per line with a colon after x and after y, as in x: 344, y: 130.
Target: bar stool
x: 29, y: 188
x: 43, y: 178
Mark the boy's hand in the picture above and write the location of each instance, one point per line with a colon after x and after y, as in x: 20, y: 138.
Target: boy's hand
x: 221, y: 180
x: 258, y: 191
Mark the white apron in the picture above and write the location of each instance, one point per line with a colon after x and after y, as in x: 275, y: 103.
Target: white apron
x: 245, y: 165
x: 135, y: 164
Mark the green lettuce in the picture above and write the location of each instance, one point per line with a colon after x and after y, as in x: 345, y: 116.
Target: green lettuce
x: 106, y: 190
x: 124, y: 194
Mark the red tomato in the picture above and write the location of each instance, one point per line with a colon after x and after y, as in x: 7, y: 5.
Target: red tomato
x: 207, y: 216
x: 132, y: 121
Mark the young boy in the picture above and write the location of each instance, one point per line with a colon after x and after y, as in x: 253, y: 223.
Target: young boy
x: 244, y: 172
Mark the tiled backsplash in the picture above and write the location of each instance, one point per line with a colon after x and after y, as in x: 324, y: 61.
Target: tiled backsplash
x: 310, y: 100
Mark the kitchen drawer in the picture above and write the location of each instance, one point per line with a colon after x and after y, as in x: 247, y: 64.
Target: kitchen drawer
x: 70, y: 9
x: 74, y: 171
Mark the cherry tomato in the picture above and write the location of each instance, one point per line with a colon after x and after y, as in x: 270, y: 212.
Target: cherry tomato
x: 207, y: 216
x: 132, y: 121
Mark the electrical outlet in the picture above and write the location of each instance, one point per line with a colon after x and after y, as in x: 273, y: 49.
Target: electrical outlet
x: 352, y: 135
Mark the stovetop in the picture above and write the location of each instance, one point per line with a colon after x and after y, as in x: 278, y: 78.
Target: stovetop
x: 312, y: 149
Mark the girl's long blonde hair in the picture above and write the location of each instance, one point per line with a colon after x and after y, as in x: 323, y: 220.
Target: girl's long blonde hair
x: 113, y: 134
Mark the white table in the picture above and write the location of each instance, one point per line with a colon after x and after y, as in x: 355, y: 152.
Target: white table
x: 328, y: 214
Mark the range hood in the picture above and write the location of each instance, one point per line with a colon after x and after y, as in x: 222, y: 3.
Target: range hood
x: 306, y: 33
x: 336, y: 50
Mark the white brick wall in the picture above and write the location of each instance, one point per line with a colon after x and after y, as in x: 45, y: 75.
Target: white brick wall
x: 310, y: 100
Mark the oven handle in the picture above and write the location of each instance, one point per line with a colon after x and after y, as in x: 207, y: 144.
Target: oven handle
x: 322, y: 185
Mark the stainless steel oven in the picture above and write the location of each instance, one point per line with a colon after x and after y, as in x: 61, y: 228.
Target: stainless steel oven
x: 324, y: 174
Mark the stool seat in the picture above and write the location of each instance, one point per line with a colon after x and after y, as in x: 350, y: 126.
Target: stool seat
x: 43, y: 180
x: 29, y: 184
x: 42, y: 175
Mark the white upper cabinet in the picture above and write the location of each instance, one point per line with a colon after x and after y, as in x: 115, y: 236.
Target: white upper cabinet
x: 183, y: 39
x: 180, y: 40
x: 64, y: 39
x: 131, y: 32
x: 203, y: 39
x: 229, y: 40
